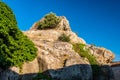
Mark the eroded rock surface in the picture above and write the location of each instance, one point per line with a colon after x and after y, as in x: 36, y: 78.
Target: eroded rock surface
x: 57, y: 58
x: 103, y: 56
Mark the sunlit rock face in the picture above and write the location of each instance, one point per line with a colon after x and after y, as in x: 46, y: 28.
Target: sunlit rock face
x: 103, y: 56
x: 57, y: 59
x: 63, y: 24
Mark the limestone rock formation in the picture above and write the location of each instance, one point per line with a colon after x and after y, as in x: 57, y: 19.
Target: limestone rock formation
x: 57, y: 58
x: 102, y: 55
x: 63, y: 25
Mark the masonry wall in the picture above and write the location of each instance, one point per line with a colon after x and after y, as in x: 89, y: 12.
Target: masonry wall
x: 116, y: 71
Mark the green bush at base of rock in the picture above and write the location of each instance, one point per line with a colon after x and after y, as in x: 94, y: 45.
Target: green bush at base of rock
x: 15, y: 47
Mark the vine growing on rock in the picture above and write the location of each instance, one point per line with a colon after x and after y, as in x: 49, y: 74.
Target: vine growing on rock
x: 15, y: 47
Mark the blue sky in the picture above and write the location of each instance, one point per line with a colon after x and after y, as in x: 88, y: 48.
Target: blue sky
x: 96, y: 21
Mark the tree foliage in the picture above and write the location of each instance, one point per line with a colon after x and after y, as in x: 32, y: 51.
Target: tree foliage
x: 49, y: 21
x: 15, y: 47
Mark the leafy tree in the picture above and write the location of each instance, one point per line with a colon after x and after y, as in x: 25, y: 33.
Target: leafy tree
x: 15, y: 47
x: 50, y: 21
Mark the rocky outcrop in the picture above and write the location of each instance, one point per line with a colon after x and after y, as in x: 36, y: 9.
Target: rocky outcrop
x: 103, y: 56
x: 58, y: 59
x: 52, y: 35
x: 63, y: 24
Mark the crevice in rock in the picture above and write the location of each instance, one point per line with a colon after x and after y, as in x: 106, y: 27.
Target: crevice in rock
x: 64, y: 63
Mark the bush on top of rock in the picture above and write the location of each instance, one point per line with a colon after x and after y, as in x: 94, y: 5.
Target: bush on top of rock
x: 49, y: 21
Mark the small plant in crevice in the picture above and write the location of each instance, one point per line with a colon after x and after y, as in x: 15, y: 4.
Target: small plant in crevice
x: 85, y: 53
x: 63, y: 37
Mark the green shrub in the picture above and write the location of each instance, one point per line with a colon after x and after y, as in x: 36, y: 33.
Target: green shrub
x: 80, y: 48
x: 64, y: 38
x: 15, y: 47
x: 50, y: 21
x: 85, y: 53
